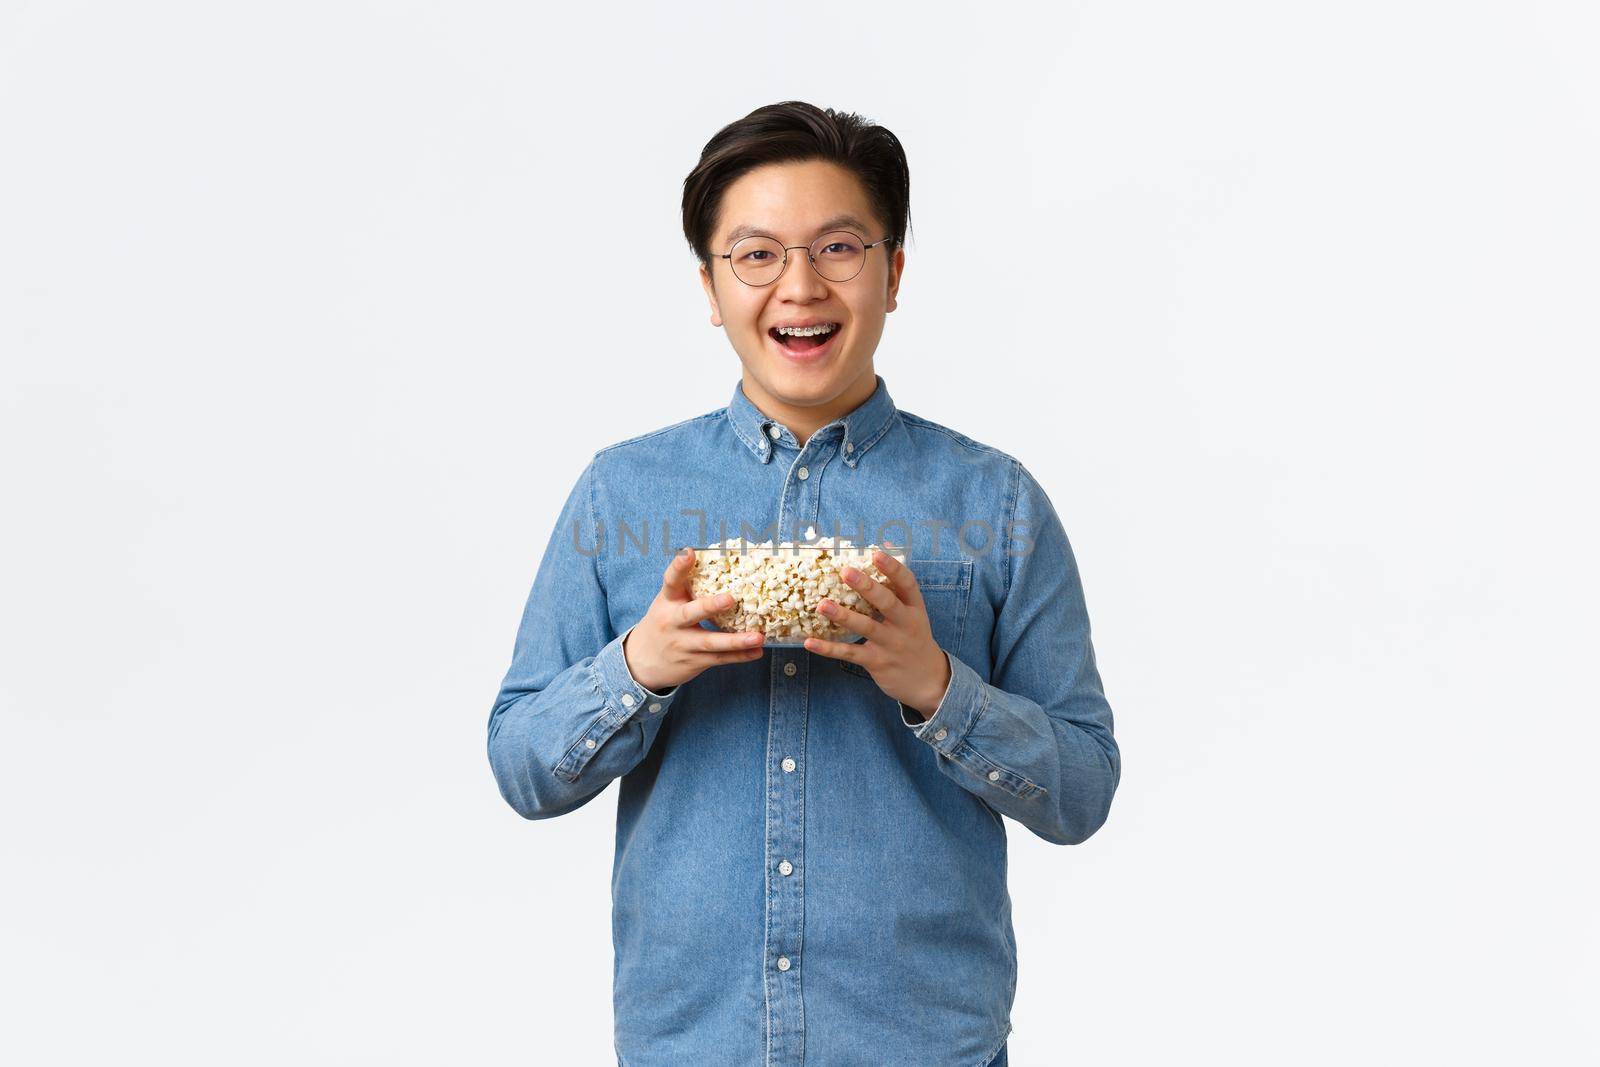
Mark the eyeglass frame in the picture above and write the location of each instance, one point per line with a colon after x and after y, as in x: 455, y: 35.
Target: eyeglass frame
x: 865, y: 248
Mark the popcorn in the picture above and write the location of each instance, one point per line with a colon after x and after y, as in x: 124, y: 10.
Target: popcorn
x: 776, y: 586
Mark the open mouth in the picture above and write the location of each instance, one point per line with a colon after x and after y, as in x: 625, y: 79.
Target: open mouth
x: 810, y: 344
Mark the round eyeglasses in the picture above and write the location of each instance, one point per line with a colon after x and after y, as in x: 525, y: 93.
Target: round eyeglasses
x: 837, y: 256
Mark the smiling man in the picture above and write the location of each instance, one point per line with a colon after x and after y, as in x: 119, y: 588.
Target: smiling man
x: 810, y: 863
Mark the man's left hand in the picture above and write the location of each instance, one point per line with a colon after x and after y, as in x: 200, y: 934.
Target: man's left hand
x: 900, y: 652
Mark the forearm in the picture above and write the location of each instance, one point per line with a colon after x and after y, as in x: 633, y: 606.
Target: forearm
x: 555, y: 748
x: 1053, y: 771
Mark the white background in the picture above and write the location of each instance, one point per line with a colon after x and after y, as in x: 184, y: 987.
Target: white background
x: 312, y: 313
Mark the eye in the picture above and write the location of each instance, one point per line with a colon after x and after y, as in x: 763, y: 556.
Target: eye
x: 757, y: 252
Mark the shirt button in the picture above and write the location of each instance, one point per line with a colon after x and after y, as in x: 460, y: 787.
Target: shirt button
x: 802, y: 474
x: 848, y: 447
x: 940, y: 735
x: 785, y: 868
x: 783, y: 963
x: 656, y: 706
x: 994, y: 776
x: 588, y: 742
x: 774, y: 432
x: 788, y: 765
x: 627, y: 700
x: 789, y: 669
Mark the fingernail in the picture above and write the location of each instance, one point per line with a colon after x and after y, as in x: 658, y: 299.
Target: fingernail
x: 851, y: 574
x: 826, y: 609
x: 753, y: 639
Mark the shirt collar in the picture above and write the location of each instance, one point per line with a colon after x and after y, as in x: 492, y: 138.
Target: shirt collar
x: 862, y: 426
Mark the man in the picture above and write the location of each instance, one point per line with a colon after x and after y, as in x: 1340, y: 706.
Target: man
x: 811, y: 849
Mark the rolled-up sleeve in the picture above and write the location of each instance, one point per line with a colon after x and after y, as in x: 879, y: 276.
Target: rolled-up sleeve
x: 1035, y: 741
x: 569, y: 716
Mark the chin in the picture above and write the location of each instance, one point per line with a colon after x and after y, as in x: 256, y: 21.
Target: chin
x: 810, y: 380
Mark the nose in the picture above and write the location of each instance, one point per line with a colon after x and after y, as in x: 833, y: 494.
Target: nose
x: 800, y: 281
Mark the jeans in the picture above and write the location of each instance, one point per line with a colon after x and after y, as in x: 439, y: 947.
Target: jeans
x: 1000, y: 1058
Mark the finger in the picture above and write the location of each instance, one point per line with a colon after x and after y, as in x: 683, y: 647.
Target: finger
x: 849, y: 618
x: 694, y: 612
x: 721, y: 642
x: 675, y: 580
x: 742, y: 656
x: 873, y: 592
x: 835, y: 649
x: 901, y: 579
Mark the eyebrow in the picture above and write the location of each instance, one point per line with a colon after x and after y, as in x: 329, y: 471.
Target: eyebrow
x: 747, y: 230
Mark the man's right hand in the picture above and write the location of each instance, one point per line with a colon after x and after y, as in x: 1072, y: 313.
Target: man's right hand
x: 669, y: 646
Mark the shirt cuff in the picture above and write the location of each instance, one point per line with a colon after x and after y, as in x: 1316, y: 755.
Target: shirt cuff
x: 621, y: 690
x: 960, y: 707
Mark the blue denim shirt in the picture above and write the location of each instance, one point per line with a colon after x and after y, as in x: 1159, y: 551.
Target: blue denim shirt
x: 806, y: 872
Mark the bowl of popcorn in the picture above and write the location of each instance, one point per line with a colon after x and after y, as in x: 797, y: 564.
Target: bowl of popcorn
x: 776, y: 586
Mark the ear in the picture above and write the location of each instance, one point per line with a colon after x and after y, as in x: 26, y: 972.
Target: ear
x: 711, y: 295
x: 897, y: 267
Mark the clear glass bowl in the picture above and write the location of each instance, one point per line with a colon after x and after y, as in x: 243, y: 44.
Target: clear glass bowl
x: 775, y: 625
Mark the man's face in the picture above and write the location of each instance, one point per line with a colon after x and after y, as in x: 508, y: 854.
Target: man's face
x: 797, y: 203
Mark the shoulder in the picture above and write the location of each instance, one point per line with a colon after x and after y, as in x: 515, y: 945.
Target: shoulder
x: 1023, y: 492
x: 927, y: 433
x: 656, y: 444
x: 654, y: 457
x: 665, y: 435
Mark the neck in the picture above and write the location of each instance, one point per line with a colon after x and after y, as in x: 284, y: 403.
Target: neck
x: 805, y: 420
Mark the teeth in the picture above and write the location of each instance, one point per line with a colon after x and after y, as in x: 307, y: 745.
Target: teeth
x: 807, y: 331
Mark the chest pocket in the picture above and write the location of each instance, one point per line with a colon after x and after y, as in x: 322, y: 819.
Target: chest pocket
x: 946, y: 586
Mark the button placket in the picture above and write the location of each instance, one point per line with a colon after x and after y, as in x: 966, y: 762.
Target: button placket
x: 798, y: 509
x: 800, y: 504
x: 785, y: 840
